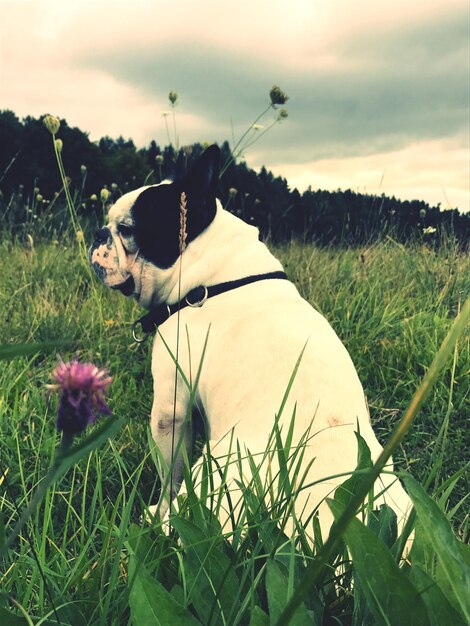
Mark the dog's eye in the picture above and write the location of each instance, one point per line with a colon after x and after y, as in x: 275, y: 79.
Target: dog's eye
x: 125, y: 230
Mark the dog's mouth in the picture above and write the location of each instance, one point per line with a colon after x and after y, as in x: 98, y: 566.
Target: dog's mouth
x: 126, y: 288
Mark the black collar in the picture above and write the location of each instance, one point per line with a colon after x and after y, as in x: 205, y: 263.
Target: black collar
x: 195, y: 298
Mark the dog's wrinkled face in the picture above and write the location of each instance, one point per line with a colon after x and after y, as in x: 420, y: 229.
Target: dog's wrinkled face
x: 142, y: 234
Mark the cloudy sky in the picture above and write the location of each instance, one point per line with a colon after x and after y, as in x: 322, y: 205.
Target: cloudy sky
x: 378, y: 89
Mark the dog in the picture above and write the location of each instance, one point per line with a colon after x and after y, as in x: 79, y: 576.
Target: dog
x: 252, y: 354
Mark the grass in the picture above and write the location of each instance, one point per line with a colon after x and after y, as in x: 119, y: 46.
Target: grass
x: 391, y: 305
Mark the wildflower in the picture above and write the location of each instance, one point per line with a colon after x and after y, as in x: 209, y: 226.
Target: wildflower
x: 422, y: 213
x: 93, y: 197
x: 36, y: 190
x: 39, y: 197
x: 429, y: 230
x: 165, y: 113
x: 159, y: 159
x: 104, y: 195
x: 80, y: 236
x: 114, y: 186
x: 232, y: 192
x: 82, y: 388
x: 83, y: 169
x: 52, y: 123
x: 173, y: 97
x: 59, y: 145
x: 277, y: 96
x: 282, y: 114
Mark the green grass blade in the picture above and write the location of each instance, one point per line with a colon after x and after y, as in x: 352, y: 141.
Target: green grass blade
x: 12, y: 351
x: 151, y: 603
x: 9, y: 619
x: 258, y: 617
x: 438, y: 533
x: 107, y: 429
x: 439, y: 608
x: 390, y: 595
x: 213, y: 581
x: 277, y: 586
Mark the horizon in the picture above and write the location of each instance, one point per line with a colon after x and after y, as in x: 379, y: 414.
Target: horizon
x: 257, y: 170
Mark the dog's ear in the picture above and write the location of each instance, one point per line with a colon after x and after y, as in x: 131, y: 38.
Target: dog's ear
x: 200, y: 186
x: 156, y: 211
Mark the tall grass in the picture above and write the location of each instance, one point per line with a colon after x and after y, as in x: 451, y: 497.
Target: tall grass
x: 391, y: 305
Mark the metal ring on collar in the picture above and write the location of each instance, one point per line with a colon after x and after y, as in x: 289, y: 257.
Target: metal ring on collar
x: 137, y: 339
x: 201, y: 301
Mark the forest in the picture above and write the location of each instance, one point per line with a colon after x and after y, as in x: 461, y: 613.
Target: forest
x: 29, y: 182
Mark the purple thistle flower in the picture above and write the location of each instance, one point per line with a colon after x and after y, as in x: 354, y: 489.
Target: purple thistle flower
x: 82, y: 388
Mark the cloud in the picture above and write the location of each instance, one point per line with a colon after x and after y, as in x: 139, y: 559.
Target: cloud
x: 433, y: 171
x: 379, y: 90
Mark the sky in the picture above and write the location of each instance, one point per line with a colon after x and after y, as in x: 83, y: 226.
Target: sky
x: 378, y: 90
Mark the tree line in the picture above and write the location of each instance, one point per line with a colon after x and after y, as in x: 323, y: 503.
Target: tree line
x: 28, y: 171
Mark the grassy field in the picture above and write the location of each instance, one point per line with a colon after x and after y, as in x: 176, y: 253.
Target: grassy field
x: 391, y: 305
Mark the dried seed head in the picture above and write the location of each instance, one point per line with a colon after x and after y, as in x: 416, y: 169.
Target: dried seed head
x: 277, y: 96
x: 183, y: 216
x: 173, y: 97
x: 52, y: 123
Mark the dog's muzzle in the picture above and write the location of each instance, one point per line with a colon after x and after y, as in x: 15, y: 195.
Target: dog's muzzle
x: 101, y: 236
x: 103, y: 261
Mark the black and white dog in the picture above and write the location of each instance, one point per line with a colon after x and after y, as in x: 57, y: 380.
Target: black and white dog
x: 256, y: 325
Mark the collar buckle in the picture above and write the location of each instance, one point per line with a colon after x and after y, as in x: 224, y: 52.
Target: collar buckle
x: 196, y: 292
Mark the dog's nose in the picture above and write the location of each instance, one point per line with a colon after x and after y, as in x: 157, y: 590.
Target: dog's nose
x: 102, y: 235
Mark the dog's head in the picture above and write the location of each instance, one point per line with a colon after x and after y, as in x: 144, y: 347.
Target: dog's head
x: 142, y: 238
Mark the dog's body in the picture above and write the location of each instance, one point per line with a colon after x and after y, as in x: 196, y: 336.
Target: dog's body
x: 248, y: 340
